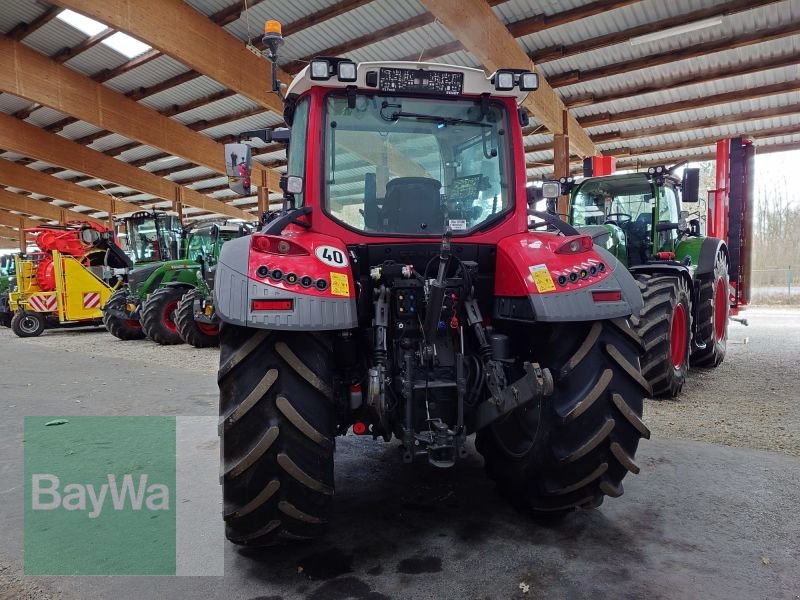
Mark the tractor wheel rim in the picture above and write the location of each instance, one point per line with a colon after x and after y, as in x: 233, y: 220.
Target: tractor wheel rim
x: 169, y: 316
x: 720, y: 309
x: 678, y: 336
x: 133, y: 324
x: 208, y: 329
x: 29, y: 324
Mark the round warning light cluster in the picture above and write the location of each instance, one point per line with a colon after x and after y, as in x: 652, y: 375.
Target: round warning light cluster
x: 305, y: 281
x: 579, y: 272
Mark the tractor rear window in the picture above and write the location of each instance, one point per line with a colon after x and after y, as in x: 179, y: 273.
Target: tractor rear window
x: 410, y: 166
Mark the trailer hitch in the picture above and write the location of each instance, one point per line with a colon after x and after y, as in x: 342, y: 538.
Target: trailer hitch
x: 534, y: 385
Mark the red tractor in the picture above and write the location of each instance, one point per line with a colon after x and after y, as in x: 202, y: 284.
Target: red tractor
x: 401, y: 293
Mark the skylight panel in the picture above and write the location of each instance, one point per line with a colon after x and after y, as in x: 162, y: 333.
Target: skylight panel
x: 84, y: 24
x: 126, y: 45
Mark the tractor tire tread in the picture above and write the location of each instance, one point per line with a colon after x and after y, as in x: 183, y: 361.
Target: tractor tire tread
x: 186, y: 324
x: 277, y: 426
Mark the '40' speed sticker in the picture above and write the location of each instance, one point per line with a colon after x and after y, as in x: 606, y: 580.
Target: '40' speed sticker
x: 332, y: 256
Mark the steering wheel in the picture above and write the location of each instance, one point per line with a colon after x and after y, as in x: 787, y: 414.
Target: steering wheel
x: 622, y: 218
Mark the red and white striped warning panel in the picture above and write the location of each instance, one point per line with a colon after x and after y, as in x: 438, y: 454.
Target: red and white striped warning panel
x: 91, y: 300
x: 43, y: 303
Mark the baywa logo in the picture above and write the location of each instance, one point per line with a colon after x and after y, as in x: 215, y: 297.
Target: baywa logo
x: 124, y: 495
x: 100, y: 496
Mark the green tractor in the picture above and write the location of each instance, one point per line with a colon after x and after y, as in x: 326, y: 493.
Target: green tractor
x: 153, y: 240
x: 685, y: 277
x: 171, y: 264
x: 7, y: 282
x: 195, y: 318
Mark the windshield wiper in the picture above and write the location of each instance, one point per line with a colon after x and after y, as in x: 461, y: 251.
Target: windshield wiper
x: 423, y: 117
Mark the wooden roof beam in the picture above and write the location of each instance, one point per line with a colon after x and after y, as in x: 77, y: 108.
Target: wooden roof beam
x: 29, y: 140
x: 22, y: 30
x: 40, y: 208
x: 202, y: 44
x: 29, y: 74
x: 475, y: 25
x: 10, y: 220
x: 15, y: 175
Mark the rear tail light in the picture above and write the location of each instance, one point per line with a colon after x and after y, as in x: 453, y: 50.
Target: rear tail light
x: 575, y: 245
x: 273, y: 304
x: 276, y: 245
x: 610, y: 296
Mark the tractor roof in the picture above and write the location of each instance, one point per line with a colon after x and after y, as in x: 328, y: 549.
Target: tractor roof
x: 475, y: 80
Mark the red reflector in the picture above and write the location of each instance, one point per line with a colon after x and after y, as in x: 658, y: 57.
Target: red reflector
x: 273, y: 305
x: 607, y: 296
x: 575, y: 244
x: 359, y: 428
x: 665, y: 255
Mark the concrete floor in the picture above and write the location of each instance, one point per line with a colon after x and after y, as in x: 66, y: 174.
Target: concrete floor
x: 700, y: 521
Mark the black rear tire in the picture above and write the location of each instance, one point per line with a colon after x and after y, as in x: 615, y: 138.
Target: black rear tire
x: 27, y: 324
x: 158, y: 315
x: 123, y: 329
x: 711, y: 334
x: 277, y: 423
x: 575, y: 447
x: 665, y: 297
x: 193, y: 333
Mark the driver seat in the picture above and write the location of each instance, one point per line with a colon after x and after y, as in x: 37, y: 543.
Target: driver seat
x: 413, y: 205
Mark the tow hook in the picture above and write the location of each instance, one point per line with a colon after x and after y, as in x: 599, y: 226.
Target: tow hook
x: 533, y: 386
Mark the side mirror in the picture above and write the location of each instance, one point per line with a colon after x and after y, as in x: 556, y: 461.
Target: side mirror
x: 238, y: 168
x: 690, y: 188
x: 534, y: 194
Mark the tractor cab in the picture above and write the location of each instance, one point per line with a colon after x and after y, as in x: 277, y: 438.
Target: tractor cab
x: 637, y: 214
x: 204, y: 241
x: 148, y: 237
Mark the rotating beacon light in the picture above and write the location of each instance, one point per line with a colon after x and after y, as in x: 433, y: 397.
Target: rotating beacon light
x: 273, y: 39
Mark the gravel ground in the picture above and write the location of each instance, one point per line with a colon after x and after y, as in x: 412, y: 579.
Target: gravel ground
x: 751, y: 401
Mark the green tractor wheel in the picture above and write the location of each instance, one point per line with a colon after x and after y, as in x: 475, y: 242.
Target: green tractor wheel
x: 27, y: 324
x: 713, y: 310
x: 158, y: 315
x: 665, y: 326
x: 119, y: 327
x: 195, y: 333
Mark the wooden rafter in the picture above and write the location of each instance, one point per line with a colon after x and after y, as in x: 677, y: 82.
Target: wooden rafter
x: 17, y: 176
x: 202, y: 44
x: 473, y: 23
x: 10, y: 220
x: 25, y: 29
x: 691, y: 104
x: 40, y: 208
x: 29, y: 140
x: 29, y: 74
x: 654, y: 60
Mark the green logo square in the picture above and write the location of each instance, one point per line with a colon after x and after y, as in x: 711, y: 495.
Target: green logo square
x: 100, y: 496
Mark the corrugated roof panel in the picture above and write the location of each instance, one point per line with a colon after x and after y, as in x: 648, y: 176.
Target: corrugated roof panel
x: 181, y: 94
x: 109, y: 141
x: 375, y: 15
x: 717, y: 87
x: 78, y: 130
x: 96, y: 59
x: 172, y: 162
x: 220, y: 108
x: 266, y: 119
x: 139, y: 152
x: 10, y: 104
x: 411, y: 43
x: 732, y: 26
x: 155, y: 71
x: 19, y: 11
x: 516, y: 10
x: 44, y: 116
x: 665, y: 74
x: 190, y: 173
x: 53, y: 36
